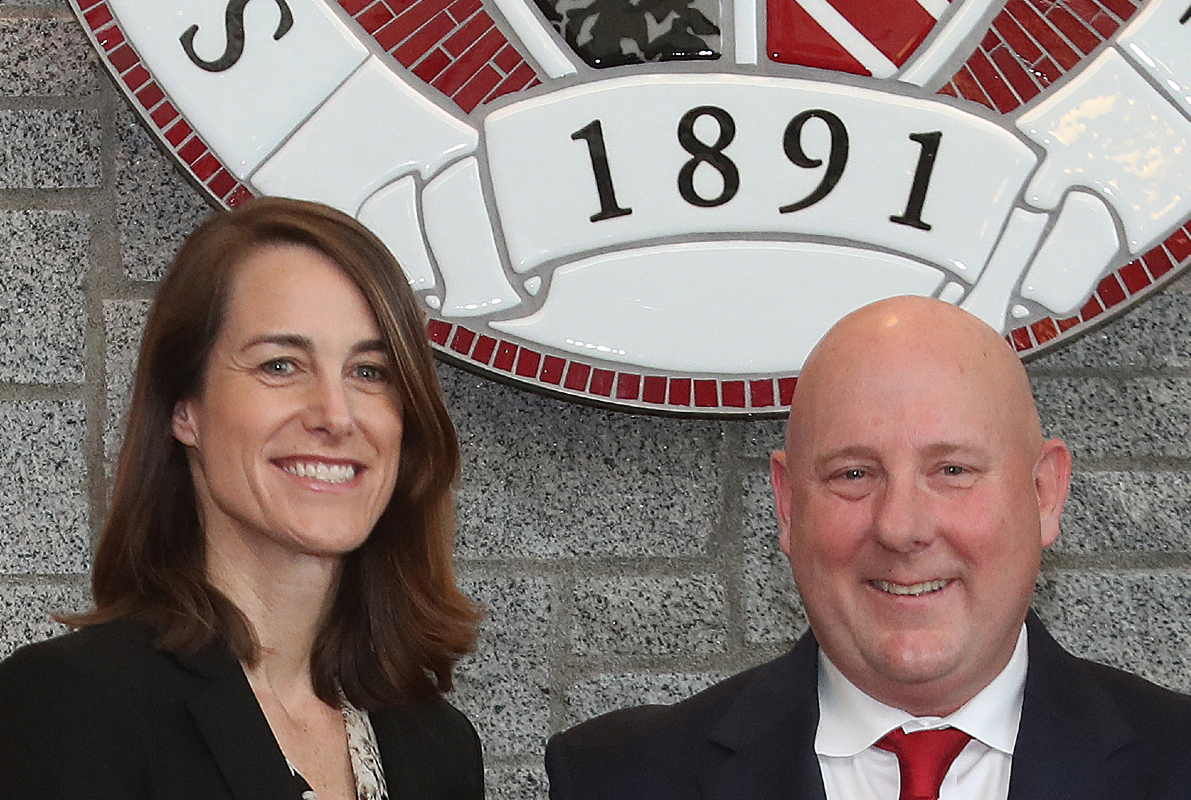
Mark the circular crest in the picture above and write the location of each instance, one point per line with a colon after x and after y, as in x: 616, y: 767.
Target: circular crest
x: 662, y: 204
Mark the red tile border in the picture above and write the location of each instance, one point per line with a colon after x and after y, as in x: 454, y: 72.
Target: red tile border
x: 655, y: 389
x: 1020, y: 339
x: 786, y: 390
x: 438, y: 331
x: 463, y: 340
x: 482, y: 352
x: 1134, y: 276
x: 601, y: 382
x: 733, y: 393
x: 628, y: 386
x: 552, y: 370
x: 577, y: 376
x: 680, y: 392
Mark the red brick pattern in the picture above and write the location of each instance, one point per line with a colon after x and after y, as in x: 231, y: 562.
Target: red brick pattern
x: 1031, y: 44
x: 453, y: 45
x: 190, y: 151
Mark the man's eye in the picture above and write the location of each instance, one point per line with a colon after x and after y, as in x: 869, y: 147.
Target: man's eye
x: 854, y: 474
x: 278, y: 366
x: 954, y: 470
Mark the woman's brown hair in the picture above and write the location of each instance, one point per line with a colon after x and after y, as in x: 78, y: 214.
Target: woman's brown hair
x: 398, y: 622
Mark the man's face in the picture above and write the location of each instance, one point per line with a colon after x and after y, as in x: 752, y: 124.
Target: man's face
x: 915, y: 497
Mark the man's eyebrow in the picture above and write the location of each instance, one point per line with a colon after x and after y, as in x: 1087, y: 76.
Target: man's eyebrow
x: 847, y: 451
x: 951, y: 448
x: 933, y: 450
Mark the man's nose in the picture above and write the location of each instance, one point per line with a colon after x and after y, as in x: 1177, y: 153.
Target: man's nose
x: 901, y: 518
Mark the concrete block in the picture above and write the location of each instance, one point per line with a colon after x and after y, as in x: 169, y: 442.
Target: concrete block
x: 607, y: 692
x: 43, y: 479
x: 504, y: 685
x: 516, y: 783
x: 26, y: 610
x: 1139, y: 621
x: 543, y: 478
x: 43, y: 261
x: 762, y: 436
x: 1127, y: 512
x: 50, y: 148
x: 1135, y: 417
x: 155, y: 207
x: 655, y: 615
x: 772, y: 608
x: 46, y: 58
x: 123, y: 322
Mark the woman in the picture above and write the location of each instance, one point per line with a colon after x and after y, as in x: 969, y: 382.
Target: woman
x: 276, y: 615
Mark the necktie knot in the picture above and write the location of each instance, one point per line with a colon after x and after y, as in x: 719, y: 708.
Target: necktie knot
x: 923, y: 758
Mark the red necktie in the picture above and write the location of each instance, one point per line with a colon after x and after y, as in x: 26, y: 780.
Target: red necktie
x: 923, y: 758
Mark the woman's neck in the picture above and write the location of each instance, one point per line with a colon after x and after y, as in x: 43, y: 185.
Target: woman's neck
x: 285, y: 597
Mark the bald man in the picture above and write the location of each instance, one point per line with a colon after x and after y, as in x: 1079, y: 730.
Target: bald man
x: 914, y: 496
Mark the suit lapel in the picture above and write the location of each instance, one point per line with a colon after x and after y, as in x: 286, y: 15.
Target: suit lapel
x: 767, y: 735
x: 1070, y: 729
x: 235, y: 729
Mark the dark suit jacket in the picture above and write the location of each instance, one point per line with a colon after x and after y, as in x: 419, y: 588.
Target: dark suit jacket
x: 1087, y: 732
x: 102, y: 714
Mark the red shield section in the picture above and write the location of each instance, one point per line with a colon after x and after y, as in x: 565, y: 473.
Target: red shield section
x: 894, y: 27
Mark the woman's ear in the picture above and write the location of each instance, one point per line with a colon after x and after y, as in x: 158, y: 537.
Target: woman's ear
x: 184, y: 425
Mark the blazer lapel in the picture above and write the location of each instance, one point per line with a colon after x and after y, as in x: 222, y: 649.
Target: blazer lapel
x: 1070, y: 729
x: 235, y: 729
x: 767, y: 735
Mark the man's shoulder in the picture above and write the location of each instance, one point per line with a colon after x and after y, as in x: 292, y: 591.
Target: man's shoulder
x: 630, y: 727
x: 1151, y: 708
x: 661, y: 751
x: 767, y: 689
x: 1097, y: 730
x: 1100, y: 689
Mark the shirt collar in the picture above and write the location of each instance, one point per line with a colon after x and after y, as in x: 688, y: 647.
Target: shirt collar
x: 850, y: 721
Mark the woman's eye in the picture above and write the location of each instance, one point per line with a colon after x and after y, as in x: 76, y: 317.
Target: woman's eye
x: 854, y: 474
x: 372, y: 373
x: 278, y: 367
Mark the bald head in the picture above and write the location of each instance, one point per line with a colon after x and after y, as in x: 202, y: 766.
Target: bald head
x: 900, y: 335
x: 915, y: 497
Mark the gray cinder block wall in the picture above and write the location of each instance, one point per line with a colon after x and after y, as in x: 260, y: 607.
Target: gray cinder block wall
x: 623, y: 559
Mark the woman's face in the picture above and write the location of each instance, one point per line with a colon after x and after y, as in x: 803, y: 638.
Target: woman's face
x: 295, y: 439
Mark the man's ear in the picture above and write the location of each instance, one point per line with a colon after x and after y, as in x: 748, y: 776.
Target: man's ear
x: 1052, y: 480
x: 183, y: 423
x: 781, y: 496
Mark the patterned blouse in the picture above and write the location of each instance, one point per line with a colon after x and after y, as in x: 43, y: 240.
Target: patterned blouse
x: 365, y: 759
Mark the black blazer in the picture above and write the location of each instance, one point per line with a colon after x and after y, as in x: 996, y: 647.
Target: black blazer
x: 102, y: 714
x: 1087, y: 732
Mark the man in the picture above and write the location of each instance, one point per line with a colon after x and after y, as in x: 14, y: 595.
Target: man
x: 915, y: 496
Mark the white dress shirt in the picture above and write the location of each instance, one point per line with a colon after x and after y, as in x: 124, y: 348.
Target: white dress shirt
x: 851, y: 722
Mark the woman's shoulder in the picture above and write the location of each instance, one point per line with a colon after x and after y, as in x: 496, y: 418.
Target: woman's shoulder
x: 100, y: 653
x: 431, y: 744
x: 432, y: 716
x: 73, y: 717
